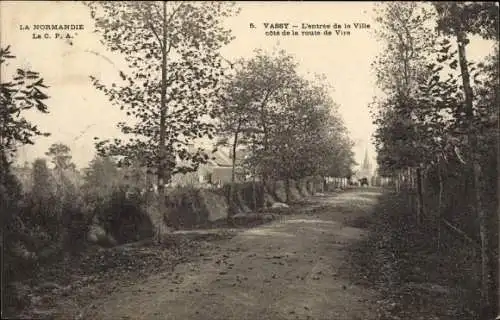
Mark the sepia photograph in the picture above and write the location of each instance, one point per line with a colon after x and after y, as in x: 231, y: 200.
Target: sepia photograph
x: 249, y: 160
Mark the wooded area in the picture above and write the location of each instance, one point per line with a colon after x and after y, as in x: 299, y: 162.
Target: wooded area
x: 437, y: 133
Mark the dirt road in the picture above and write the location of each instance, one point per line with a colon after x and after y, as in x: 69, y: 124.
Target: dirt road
x: 288, y: 269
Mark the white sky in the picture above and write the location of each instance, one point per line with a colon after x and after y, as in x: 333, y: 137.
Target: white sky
x: 78, y: 112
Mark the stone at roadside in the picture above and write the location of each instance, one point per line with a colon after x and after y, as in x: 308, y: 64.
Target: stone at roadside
x: 280, y: 205
x: 97, y: 235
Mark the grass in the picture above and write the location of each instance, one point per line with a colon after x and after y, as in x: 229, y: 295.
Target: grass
x: 415, y: 279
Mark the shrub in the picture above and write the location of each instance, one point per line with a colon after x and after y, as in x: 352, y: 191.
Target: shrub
x: 122, y: 215
x: 185, y: 208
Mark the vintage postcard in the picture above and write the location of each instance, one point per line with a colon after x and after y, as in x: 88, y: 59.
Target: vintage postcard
x: 249, y: 160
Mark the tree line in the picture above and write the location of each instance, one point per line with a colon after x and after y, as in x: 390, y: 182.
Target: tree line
x: 437, y: 124
x: 290, y: 125
x: 177, y: 90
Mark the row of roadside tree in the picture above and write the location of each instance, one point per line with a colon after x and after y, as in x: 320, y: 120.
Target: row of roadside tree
x: 437, y: 127
x: 177, y: 90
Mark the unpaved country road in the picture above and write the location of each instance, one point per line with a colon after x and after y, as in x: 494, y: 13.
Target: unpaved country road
x: 288, y: 269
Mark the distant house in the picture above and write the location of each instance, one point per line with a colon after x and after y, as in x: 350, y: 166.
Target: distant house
x: 217, y: 170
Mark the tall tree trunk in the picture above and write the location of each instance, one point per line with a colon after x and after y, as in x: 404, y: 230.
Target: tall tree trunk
x: 396, y: 181
x: 265, y: 184
x: 440, y: 202
x: 408, y: 189
x: 287, y: 189
x: 232, y: 209
x: 254, y: 194
x: 409, y: 174
x: 498, y: 219
x: 163, y: 116
x: 233, y: 159
x: 263, y: 120
x: 409, y: 179
x: 420, y: 196
x: 476, y: 171
x: 400, y: 179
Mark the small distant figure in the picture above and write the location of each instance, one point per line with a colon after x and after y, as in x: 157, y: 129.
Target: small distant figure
x: 364, y: 182
x: 353, y: 182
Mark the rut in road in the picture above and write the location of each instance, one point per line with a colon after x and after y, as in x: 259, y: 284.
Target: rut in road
x: 288, y: 269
